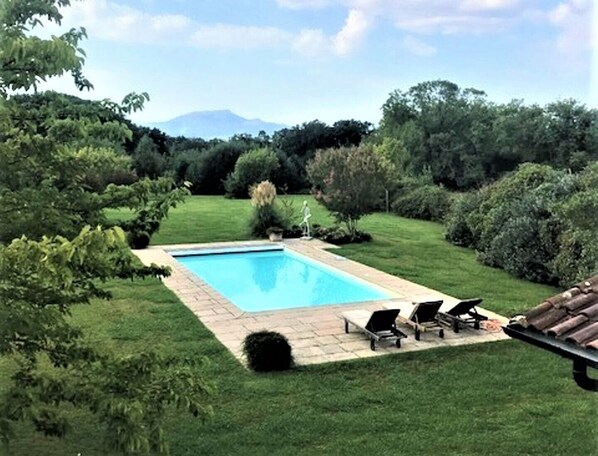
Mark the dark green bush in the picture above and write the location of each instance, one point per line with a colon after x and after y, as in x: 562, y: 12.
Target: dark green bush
x: 264, y: 217
x: 426, y: 202
x: 138, y: 239
x: 294, y: 231
x: 577, y: 258
x: 267, y: 351
x: 458, y: 229
x: 537, y: 223
x: 338, y: 235
x: 527, y: 242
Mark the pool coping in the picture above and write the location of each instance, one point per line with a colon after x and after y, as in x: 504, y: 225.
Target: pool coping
x: 316, y: 333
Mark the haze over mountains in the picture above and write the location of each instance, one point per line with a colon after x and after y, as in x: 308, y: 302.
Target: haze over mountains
x: 214, y: 124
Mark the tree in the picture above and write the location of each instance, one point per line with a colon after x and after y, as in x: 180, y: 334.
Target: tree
x: 148, y: 161
x: 252, y: 167
x: 52, y: 187
x: 208, y: 170
x: 300, y: 143
x: 349, y: 182
x: 435, y: 121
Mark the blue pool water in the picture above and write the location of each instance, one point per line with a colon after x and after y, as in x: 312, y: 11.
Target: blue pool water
x: 277, y: 279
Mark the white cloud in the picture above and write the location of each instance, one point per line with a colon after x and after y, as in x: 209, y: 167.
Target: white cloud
x: 112, y: 21
x: 573, y: 19
x: 226, y: 36
x: 304, y: 4
x: 352, y: 33
x: 311, y: 43
x: 450, y: 25
x: 485, y: 5
x: 418, y: 47
x: 433, y: 16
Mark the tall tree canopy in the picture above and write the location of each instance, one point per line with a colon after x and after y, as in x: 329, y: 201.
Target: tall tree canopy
x: 56, y: 180
x: 465, y: 141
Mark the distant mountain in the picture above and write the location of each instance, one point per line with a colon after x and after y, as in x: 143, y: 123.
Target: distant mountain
x: 214, y: 124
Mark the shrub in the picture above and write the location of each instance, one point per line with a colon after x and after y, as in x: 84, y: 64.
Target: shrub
x: 294, y: 231
x: 138, y: 239
x: 537, y: 223
x: 254, y: 166
x: 458, y: 229
x: 527, y: 242
x: 265, y: 214
x: 263, y: 218
x: 428, y: 202
x: 338, y: 235
x: 267, y: 351
x: 577, y: 258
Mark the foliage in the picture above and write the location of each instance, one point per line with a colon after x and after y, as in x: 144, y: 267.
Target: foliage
x: 150, y: 202
x: 59, y: 174
x: 468, y: 142
x: 267, y: 351
x: 39, y: 284
x: 299, y: 144
x: 338, y: 235
x: 147, y: 160
x: 578, y: 256
x: 254, y: 166
x: 262, y: 194
x: 426, y: 202
x: 265, y: 214
x: 208, y: 170
x: 349, y: 182
x: 537, y: 223
x: 103, y: 167
x: 458, y: 226
x: 25, y: 59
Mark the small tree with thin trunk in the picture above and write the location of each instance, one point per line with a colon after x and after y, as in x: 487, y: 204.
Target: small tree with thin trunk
x: 349, y: 182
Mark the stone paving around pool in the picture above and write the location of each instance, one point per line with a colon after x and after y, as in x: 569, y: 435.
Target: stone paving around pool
x: 316, y: 334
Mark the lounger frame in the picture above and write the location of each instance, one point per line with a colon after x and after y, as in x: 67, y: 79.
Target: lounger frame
x: 462, y: 315
x: 376, y: 336
x: 429, y: 324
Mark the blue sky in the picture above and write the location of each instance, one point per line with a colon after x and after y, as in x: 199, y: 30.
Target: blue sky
x: 293, y: 61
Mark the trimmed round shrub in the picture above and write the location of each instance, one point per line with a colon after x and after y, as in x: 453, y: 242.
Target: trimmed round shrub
x: 267, y: 351
x: 139, y: 239
x: 427, y: 202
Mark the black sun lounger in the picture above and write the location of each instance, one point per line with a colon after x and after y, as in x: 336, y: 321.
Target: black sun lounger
x: 377, y: 325
x: 423, y: 318
x: 463, y: 314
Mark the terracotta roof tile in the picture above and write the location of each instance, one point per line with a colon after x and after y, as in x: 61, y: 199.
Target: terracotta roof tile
x: 570, y: 317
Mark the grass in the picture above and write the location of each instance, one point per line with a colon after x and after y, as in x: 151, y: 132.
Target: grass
x: 498, y: 398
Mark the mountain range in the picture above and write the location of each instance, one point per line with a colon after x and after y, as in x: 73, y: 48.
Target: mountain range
x: 214, y: 124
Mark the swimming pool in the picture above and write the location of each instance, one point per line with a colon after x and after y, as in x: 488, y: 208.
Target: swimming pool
x: 276, y: 279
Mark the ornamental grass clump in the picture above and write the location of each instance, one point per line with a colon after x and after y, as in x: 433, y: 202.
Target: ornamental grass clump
x: 267, y: 351
x: 265, y: 214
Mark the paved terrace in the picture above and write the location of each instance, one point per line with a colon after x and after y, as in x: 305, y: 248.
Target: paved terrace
x: 316, y: 333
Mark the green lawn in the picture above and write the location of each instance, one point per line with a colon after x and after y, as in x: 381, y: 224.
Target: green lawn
x: 494, y: 399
